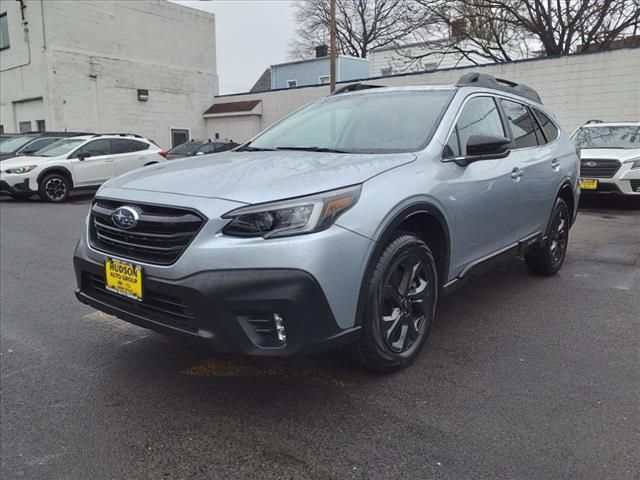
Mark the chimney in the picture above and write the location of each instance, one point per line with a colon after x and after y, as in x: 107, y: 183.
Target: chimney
x: 458, y: 28
x: 322, y: 51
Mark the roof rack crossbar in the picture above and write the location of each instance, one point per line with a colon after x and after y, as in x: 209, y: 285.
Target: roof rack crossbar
x: 354, y: 87
x: 119, y: 135
x: 476, y: 79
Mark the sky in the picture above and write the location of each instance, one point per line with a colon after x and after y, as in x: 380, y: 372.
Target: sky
x: 250, y: 36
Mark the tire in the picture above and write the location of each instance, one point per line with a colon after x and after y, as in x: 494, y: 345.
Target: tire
x: 549, y: 257
x: 402, y: 294
x: 54, y: 188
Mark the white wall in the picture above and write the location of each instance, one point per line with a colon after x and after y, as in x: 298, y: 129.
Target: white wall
x: 577, y: 88
x: 98, y: 53
x: 21, y: 66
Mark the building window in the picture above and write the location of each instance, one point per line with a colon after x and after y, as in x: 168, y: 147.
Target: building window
x: 40, y: 126
x: 385, y: 72
x: 179, y: 136
x: 324, y: 79
x: 292, y: 83
x: 4, y: 31
x: 25, y: 127
x: 1, y: 128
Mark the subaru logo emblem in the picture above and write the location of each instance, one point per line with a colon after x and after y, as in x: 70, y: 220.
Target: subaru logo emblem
x: 590, y: 164
x: 125, y: 217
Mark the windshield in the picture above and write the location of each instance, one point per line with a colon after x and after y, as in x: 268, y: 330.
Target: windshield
x: 608, y: 137
x: 384, y: 122
x: 61, y: 147
x: 187, y: 148
x: 14, y: 144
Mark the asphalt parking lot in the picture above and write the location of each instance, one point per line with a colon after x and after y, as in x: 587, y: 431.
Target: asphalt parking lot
x: 522, y: 378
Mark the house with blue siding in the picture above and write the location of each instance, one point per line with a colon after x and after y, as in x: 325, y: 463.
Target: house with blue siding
x: 316, y: 71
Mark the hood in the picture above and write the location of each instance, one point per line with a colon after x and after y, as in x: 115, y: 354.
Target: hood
x: 22, y: 161
x: 621, y: 154
x: 256, y: 177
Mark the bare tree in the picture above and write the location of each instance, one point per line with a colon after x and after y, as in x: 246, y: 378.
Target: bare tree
x: 362, y: 25
x: 501, y: 29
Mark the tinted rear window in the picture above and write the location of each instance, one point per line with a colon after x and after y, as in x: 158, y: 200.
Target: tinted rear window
x: 549, y: 128
x: 522, y: 125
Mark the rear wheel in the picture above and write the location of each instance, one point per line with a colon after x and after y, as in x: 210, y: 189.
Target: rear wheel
x: 400, y: 306
x: 549, y: 257
x: 55, y: 188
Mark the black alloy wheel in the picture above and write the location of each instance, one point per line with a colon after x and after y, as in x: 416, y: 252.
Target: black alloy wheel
x: 548, y: 258
x: 54, y: 188
x: 403, y: 301
x: 402, y: 294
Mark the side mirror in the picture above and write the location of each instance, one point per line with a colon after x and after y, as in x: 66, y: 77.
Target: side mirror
x: 83, y: 155
x: 27, y: 152
x: 199, y: 153
x: 480, y: 145
x: 484, y: 147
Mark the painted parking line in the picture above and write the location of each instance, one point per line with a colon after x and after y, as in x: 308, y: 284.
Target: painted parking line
x: 279, y: 370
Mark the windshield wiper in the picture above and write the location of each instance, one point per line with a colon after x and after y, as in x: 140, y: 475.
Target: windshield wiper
x: 313, y: 149
x: 247, y: 148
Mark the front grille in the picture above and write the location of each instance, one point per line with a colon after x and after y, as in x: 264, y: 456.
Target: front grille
x: 160, y: 237
x: 598, y: 168
x: 162, y: 308
x: 635, y: 185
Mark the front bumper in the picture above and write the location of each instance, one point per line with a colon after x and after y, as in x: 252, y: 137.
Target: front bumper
x: 232, y: 311
x: 625, y: 182
x: 16, y: 188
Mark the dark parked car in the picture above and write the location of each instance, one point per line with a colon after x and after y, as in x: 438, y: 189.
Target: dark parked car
x: 200, y: 147
x: 7, y: 136
x: 29, y: 143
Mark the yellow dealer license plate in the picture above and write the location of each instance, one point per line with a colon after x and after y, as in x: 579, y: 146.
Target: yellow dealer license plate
x: 123, y: 278
x: 588, y: 184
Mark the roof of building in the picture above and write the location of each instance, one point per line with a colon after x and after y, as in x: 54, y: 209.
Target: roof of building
x: 315, y: 59
x: 232, y: 107
x: 263, y: 83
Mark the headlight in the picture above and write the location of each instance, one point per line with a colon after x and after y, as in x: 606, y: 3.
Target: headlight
x: 635, y: 164
x: 26, y: 169
x: 291, y: 217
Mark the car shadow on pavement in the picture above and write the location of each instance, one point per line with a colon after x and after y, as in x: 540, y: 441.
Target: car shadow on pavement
x: 75, y: 197
x: 609, y: 202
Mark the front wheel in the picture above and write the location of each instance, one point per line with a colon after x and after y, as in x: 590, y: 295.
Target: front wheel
x: 549, y: 257
x: 54, y: 188
x: 400, y: 305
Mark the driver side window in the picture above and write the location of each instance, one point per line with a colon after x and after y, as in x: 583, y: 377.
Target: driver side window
x: 95, y: 148
x: 479, y: 116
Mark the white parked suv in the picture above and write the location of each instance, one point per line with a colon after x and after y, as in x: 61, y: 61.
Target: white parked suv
x: 77, y: 162
x: 610, y: 157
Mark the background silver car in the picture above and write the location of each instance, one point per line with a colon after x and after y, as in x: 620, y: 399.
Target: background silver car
x: 341, y: 224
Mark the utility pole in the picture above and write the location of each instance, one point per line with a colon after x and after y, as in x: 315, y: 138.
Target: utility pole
x: 333, y: 47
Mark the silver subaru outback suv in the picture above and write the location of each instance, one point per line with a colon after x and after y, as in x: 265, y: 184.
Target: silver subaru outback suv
x: 340, y: 225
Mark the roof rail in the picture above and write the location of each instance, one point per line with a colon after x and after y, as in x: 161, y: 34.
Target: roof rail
x: 593, y: 121
x: 353, y: 87
x: 119, y: 135
x: 475, y: 79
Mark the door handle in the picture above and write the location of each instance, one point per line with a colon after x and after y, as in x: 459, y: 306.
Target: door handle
x: 516, y: 173
x: 109, y: 160
x: 555, y: 164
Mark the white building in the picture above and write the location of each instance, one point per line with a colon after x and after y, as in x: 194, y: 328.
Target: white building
x: 106, y: 66
x: 425, y: 56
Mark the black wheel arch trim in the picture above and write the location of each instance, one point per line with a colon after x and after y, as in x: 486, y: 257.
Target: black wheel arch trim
x: 387, y: 231
x: 56, y: 169
x: 567, y: 183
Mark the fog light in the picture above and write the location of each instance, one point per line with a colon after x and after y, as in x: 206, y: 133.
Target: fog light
x: 282, y: 334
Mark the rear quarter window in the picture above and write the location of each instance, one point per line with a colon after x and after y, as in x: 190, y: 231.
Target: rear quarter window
x: 522, y: 124
x: 548, y: 127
